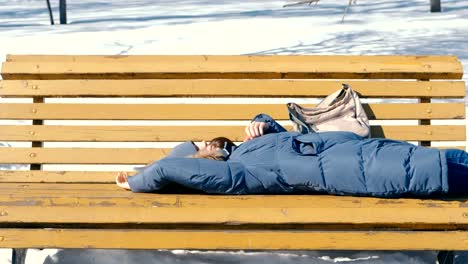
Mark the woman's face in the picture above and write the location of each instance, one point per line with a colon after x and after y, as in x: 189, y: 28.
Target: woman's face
x: 204, y: 145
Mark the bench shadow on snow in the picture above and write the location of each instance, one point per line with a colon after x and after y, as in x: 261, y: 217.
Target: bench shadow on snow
x: 190, y: 11
x: 369, y: 41
x: 193, y: 11
x: 86, y: 256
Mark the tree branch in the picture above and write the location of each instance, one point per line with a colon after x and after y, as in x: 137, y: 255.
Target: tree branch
x: 316, y: 1
x: 302, y: 2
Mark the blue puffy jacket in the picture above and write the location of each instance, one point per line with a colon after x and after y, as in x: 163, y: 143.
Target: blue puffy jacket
x: 290, y: 162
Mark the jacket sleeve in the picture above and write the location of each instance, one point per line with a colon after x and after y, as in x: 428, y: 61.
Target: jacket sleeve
x: 211, y: 176
x: 273, y: 126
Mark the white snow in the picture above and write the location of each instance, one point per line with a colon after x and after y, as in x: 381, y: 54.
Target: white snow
x: 235, y: 27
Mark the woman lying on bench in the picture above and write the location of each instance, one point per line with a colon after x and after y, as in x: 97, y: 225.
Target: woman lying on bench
x: 272, y: 160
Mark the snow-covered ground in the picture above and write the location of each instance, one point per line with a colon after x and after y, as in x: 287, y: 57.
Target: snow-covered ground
x: 233, y: 27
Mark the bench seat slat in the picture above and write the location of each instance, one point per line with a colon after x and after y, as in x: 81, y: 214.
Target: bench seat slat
x: 56, y: 111
x: 228, y: 67
x: 253, y: 240
x: 198, y: 133
x: 109, y: 212
x: 227, y: 88
x: 105, y: 203
x: 83, y: 194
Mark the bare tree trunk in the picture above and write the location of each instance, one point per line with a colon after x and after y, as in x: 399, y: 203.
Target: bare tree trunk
x: 50, y: 13
x: 435, y: 6
x: 63, y: 11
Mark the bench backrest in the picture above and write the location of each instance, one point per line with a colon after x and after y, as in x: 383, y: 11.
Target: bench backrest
x: 94, y: 110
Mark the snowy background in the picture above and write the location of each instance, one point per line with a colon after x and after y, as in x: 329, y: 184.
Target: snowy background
x: 232, y: 27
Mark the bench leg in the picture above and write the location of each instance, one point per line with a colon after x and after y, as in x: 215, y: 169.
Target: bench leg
x: 445, y: 257
x: 18, y: 255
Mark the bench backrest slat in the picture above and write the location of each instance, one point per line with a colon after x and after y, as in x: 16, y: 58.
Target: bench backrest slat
x: 167, y: 133
x: 51, y: 111
x: 234, y: 67
x: 228, y: 88
x: 82, y: 155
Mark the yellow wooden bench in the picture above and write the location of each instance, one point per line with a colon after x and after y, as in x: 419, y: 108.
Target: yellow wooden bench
x: 48, y: 205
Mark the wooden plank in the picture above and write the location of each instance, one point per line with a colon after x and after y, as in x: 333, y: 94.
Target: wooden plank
x: 120, y: 133
x: 58, y: 133
x: 81, y: 155
x: 417, y: 133
x: 110, y: 202
x: 264, y: 67
x: 88, y: 195
x: 251, y: 240
x: 106, y: 209
x: 54, y: 111
x: 227, y: 88
x: 57, y: 176
x: 106, y: 204
x: 52, y: 190
x: 111, y: 213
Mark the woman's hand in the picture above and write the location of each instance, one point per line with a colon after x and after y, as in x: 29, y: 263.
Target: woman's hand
x: 255, y: 129
x: 122, y: 180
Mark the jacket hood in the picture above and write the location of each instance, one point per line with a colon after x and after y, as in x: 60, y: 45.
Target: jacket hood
x: 183, y: 150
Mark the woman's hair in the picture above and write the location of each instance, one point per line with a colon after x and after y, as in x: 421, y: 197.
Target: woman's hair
x: 222, y: 148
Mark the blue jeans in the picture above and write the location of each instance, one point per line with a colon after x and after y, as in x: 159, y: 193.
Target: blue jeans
x: 457, y: 163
